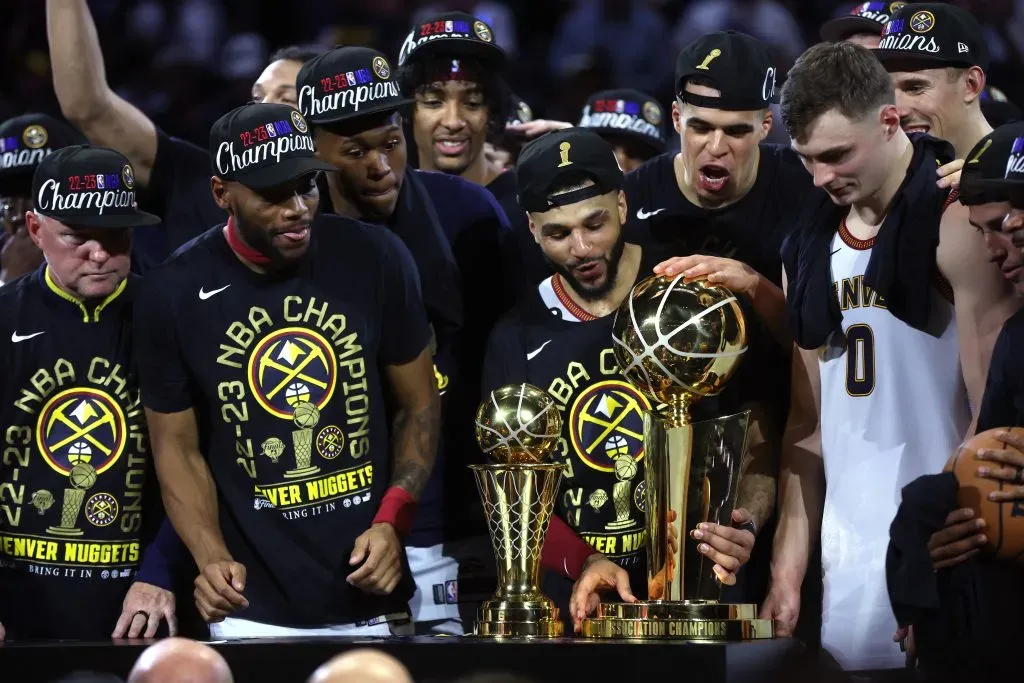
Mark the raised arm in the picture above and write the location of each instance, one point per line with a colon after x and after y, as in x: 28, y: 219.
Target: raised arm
x: 86, y: 99
x: 982, y: 297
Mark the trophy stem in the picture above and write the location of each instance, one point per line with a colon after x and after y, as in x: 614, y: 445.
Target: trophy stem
x: 678, y: 414
x: 518, y: 501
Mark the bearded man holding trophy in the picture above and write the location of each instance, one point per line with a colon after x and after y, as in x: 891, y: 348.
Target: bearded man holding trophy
x: 638, y: 463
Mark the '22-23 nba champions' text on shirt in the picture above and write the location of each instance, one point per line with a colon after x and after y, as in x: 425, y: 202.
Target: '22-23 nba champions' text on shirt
x: 284, y: 372
x: 75, y: 460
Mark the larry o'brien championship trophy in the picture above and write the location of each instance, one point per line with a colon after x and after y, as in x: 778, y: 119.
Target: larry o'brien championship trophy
x: 517, y: 426
x: 678, y: 343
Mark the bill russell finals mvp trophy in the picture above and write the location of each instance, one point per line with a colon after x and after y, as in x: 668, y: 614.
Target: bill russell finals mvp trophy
x: 517, y: 426
x: 678, y: 343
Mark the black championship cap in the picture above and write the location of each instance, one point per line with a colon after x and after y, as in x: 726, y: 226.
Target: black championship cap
x: 997, y: 108
x: 932, y: 32
x: 452, y: 34
x: 627, y: 113
x: 345, y: 83
x: 740, y: 67
x: 560, y: 153
x: 519, y: 112
x: 867, y: 17
x: 263, y: 145
x: 994, y: 167
x: 24, y: 141
x: 88, y: 187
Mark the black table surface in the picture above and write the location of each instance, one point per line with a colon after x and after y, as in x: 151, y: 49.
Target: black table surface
x: 441, y: 658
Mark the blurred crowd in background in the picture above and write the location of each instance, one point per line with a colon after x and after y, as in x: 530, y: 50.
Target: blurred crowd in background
x: 185, y: 62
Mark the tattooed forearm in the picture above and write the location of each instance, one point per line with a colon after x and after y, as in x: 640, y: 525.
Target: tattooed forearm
x: 760, y: 470
x: 415, y: 436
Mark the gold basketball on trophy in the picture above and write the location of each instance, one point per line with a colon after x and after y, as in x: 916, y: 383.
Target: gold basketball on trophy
x: 518, y: 424
x: 679, y: 341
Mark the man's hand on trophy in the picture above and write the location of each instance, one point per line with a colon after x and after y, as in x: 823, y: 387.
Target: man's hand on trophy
x: 219, y: 589
x: 782, y: 606
x: 599, y: 575
x: 379, y: 549
x: 731, y: 274
x: 144, y: 607
x: 728, y: 547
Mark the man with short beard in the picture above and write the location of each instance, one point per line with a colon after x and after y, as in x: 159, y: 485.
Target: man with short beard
x: 265, y: 349
x: 174, y: 172
x: 559, y: 339
x: 459, y: 238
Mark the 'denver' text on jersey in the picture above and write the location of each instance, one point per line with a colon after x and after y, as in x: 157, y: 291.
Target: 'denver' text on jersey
x: 75, y: 457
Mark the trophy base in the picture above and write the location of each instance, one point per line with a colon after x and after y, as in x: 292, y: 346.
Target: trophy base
x: 698, y: 620
x: 61, y: 531
x: 292, y: 474
x: 527, y: 619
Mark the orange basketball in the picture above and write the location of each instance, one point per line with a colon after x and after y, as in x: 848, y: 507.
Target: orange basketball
x: 1004, y: 521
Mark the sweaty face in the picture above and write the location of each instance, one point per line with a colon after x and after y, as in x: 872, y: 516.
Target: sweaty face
x: 450, y: 125
x: 371, y: 165
x: 994, y: 221
x: 583, y: 242
x: 927, y: 101
x: 276, y: 85
x: 841, y: 156
x: 719, y: 147
x: 276, y: 221
x: 87, y: 263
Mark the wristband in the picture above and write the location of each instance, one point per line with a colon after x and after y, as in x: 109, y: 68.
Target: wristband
x: 397, y: 508
x: 564, y: 552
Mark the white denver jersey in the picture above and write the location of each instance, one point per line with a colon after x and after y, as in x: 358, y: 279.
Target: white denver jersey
x: 893, y: 407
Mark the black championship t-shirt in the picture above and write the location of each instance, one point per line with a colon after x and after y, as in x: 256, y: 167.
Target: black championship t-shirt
x: 285, y: 374
x: 534, y: 268
x: 179, y: 191
x: 750, y: 230
x: 1003, y: 402
x: 75, y: 461
x: 545, y: 341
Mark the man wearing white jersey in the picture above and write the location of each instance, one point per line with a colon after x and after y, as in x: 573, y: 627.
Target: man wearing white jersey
x: 885, y: 365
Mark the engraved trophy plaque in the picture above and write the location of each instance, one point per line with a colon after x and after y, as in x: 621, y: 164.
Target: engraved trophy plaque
x: 678, y: 343
x: 517, y: 426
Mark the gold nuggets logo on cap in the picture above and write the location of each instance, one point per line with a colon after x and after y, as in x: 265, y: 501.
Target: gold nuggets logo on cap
x: 299, y: 122
x: 128, y: 176
x: 35, y: 136
x: 922, y: 22
x: 895, y: 6
x: 652, y: 112
x: 482, y: 32
x: 381, y: 68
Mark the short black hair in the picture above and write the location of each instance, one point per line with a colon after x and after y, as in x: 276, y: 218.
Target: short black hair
x: 296, y: 53
x: 415, y: 75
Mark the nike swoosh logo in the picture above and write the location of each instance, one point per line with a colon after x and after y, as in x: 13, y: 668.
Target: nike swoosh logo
x: 204, y: 295
x: 532, y: 354
x: 15, y: 337
x: 837, y: 251
x: 644, y: 215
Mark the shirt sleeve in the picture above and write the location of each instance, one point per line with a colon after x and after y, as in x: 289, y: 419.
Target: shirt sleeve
x: 505, y: 359
x: 997, y: 404
x: 405, y: 332
x: 163, y: 376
